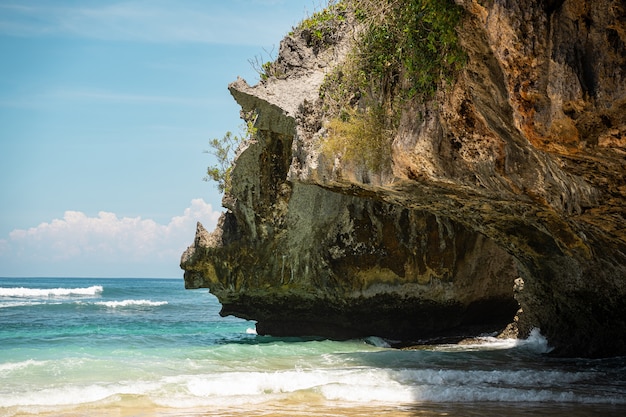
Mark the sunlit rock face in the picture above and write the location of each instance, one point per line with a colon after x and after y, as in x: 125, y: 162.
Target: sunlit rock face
x: 509, y: 192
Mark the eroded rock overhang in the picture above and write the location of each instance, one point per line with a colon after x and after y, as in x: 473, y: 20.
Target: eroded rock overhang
x: 518, y: 173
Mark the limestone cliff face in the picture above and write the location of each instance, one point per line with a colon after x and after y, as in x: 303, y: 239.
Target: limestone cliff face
x: 510, y: 190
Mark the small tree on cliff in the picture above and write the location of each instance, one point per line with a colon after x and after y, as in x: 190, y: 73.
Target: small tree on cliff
x: 225, y: 151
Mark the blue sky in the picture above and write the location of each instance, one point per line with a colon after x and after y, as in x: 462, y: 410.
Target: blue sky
x: 106, y: 108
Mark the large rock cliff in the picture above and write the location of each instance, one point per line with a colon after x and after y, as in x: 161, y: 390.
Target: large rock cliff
x: 508, y: 192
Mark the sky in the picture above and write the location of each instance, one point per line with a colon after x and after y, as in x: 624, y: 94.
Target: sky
x: 106, y: 111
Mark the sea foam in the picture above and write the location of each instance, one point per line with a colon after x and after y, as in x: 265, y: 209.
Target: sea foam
x: 131, y: 303
x: 365, y: 386
x: 369, y: 385
x: 114, y: 349
x: 7, y: 368
x: 22, y: 292
x: 536, y: 342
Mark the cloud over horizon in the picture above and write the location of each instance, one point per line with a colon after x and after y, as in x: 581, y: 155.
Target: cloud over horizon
x: 105, y: 245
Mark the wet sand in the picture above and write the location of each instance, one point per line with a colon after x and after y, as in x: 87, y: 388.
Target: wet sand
x: 304, y: 407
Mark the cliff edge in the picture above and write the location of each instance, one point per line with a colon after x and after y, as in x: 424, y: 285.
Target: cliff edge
x: 499, y: 197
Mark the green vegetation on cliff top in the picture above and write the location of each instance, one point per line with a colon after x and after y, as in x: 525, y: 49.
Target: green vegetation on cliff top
x: 406, y: 50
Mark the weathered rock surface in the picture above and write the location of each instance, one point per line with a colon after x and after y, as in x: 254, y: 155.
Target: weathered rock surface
x: 518, y: 172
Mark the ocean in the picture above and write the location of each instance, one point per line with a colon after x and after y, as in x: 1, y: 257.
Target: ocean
x: 148, y: 347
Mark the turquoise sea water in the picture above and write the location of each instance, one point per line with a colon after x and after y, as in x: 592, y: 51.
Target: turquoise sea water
x: 148, y: 347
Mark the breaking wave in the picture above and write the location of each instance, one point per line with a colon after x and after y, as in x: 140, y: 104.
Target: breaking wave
x: 364, y: 386
x: 85, y: 351
x: 131, y: 303
x: 22, y: 292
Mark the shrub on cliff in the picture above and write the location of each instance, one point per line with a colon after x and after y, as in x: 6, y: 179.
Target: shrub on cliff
x: 405, y: 50
x: 361, y: 137
x: 320, y: 29
x: 413, y: 40
x: 225, y: 151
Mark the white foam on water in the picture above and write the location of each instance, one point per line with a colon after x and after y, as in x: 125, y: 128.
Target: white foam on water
x: 373, y: 386
x: 391, y: 393
x: 535, y: 342
x: 240, y: 388
x: 131, y: 303
x: 250, y: 330
x: 253, y: 383
x: 260, y: 377
x: 10, y: 304
x: 446, y: 386
x: 466, y: 378
x: 369, y: 385
x: 377, y: 341
x: 457, y: 394
x: 21, y: 292
x: 479, y: 343
x: 7, y: 368
x: 359, y: 385
x: 73, y: 394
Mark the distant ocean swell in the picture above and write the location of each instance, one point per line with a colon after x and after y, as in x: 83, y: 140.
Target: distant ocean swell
x: 146, y: 346
x: 21, y: 292
x: 20, y: 296
x: 130, y: 303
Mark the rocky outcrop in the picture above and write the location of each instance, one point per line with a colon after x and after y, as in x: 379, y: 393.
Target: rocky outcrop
x: 509, y: 192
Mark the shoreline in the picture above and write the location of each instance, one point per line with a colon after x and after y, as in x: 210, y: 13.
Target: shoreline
x: 302, y: 406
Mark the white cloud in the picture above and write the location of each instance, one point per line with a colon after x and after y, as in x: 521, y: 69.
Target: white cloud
x: 106, y: 245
